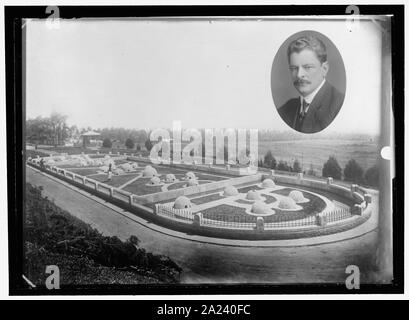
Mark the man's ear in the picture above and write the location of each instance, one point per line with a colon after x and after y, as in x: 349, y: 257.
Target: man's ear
x: 325, y: 68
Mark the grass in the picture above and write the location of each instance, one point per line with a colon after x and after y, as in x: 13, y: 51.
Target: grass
x: 208, y: 198
x: 83, y: 171
x: 116, y: 180
x: 247, y: 189
x: 83, y: 254
x: 139, y: 187
x: 226, y: 212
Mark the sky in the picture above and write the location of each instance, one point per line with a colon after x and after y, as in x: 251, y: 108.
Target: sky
x: 204, y: 73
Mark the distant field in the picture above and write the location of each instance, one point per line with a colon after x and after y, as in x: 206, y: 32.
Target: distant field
x: 317, y: 152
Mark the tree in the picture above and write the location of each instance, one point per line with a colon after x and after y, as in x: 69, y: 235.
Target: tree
x: 129, y: 143
x: 107, y: 143
x: 59, y: 127
x: 269, y: 160
x: 297, y: 166
x: 353, y: 172
x: 311, y: 171
x: 372, y: 176
x: 148, y: 144
x: 332, y: 169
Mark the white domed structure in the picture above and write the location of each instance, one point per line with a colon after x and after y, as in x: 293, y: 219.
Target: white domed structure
x: 182, y: 202
x: 297, y: 196
x: 268, y: 183
x: 170, y: 177
x: 230, y: 191
x: 260, y: 208
x: 287, y: 203
x: 117, y: 171
x: 149, y: 172
x: 155, y: 181
x: 134, y: 165
x: 253, y: 195
x: 104, y: 168
x: 192, y: 182
x: 190, y: 176
x: 126, y: 167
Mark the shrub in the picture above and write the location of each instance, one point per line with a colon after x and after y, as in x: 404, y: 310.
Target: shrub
x: 283, y: 166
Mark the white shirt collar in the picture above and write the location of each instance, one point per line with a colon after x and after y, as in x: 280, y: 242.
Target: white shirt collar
x: 311, y: 96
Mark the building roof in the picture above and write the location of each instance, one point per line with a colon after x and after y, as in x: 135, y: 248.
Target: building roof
x: 90, y: 133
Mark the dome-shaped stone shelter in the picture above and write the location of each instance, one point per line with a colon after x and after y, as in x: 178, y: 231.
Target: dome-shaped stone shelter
x: 287, y: 203
x: 261, y: 208
x: 170, y: 177
x: 190, y: 176
x: 149, y: 172
x: 230, y: 191
x: 104, y: 168
x: 253, y: 195
x: 182, y: 202
x: 155, y: 181
x: 192, y: 182
x: 126, y: 167
x: 268, y: 183
x: 297, y: 196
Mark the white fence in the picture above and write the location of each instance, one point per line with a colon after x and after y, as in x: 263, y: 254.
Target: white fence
x: 169, y: 212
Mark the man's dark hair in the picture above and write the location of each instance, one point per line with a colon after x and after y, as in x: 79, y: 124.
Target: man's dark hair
x: 308, y: 42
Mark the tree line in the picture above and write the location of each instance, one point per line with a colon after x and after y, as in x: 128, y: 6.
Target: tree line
x: 352, y: 172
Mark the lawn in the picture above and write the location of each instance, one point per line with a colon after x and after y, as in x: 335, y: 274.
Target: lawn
x: 208, y: 198
x: 116, y: 180
x: 83, y: 171
x: 139, y: 187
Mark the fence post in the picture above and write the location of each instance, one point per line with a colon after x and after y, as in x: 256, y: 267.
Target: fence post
x: 111, y: 191
x: 353, y: 189
x: 321, y: 220
x: 130, y: 199
x: 368, y: 198
x: 357, y: 210
x: 260, y: 224
x: 96, y: 186
x: 197, y: 219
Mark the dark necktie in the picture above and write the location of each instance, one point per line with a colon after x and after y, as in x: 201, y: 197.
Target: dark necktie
x: 302, y: 114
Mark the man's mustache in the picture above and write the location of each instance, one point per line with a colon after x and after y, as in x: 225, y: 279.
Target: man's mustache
x: 301, y: 82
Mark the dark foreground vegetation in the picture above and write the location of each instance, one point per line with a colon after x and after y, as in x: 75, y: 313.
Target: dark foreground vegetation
x: 83, y: 255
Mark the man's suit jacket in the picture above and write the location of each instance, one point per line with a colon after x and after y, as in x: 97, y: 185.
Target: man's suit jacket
x: 321, y: 112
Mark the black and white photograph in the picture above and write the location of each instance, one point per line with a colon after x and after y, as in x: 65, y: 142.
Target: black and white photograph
x: 205, y: 151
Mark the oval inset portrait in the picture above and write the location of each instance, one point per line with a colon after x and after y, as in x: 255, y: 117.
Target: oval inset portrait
x: 308, y: 81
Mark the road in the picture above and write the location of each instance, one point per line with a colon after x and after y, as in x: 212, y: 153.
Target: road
x: 211, y: 263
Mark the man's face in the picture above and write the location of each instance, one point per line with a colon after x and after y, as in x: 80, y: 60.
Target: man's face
x: 307, y: 71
